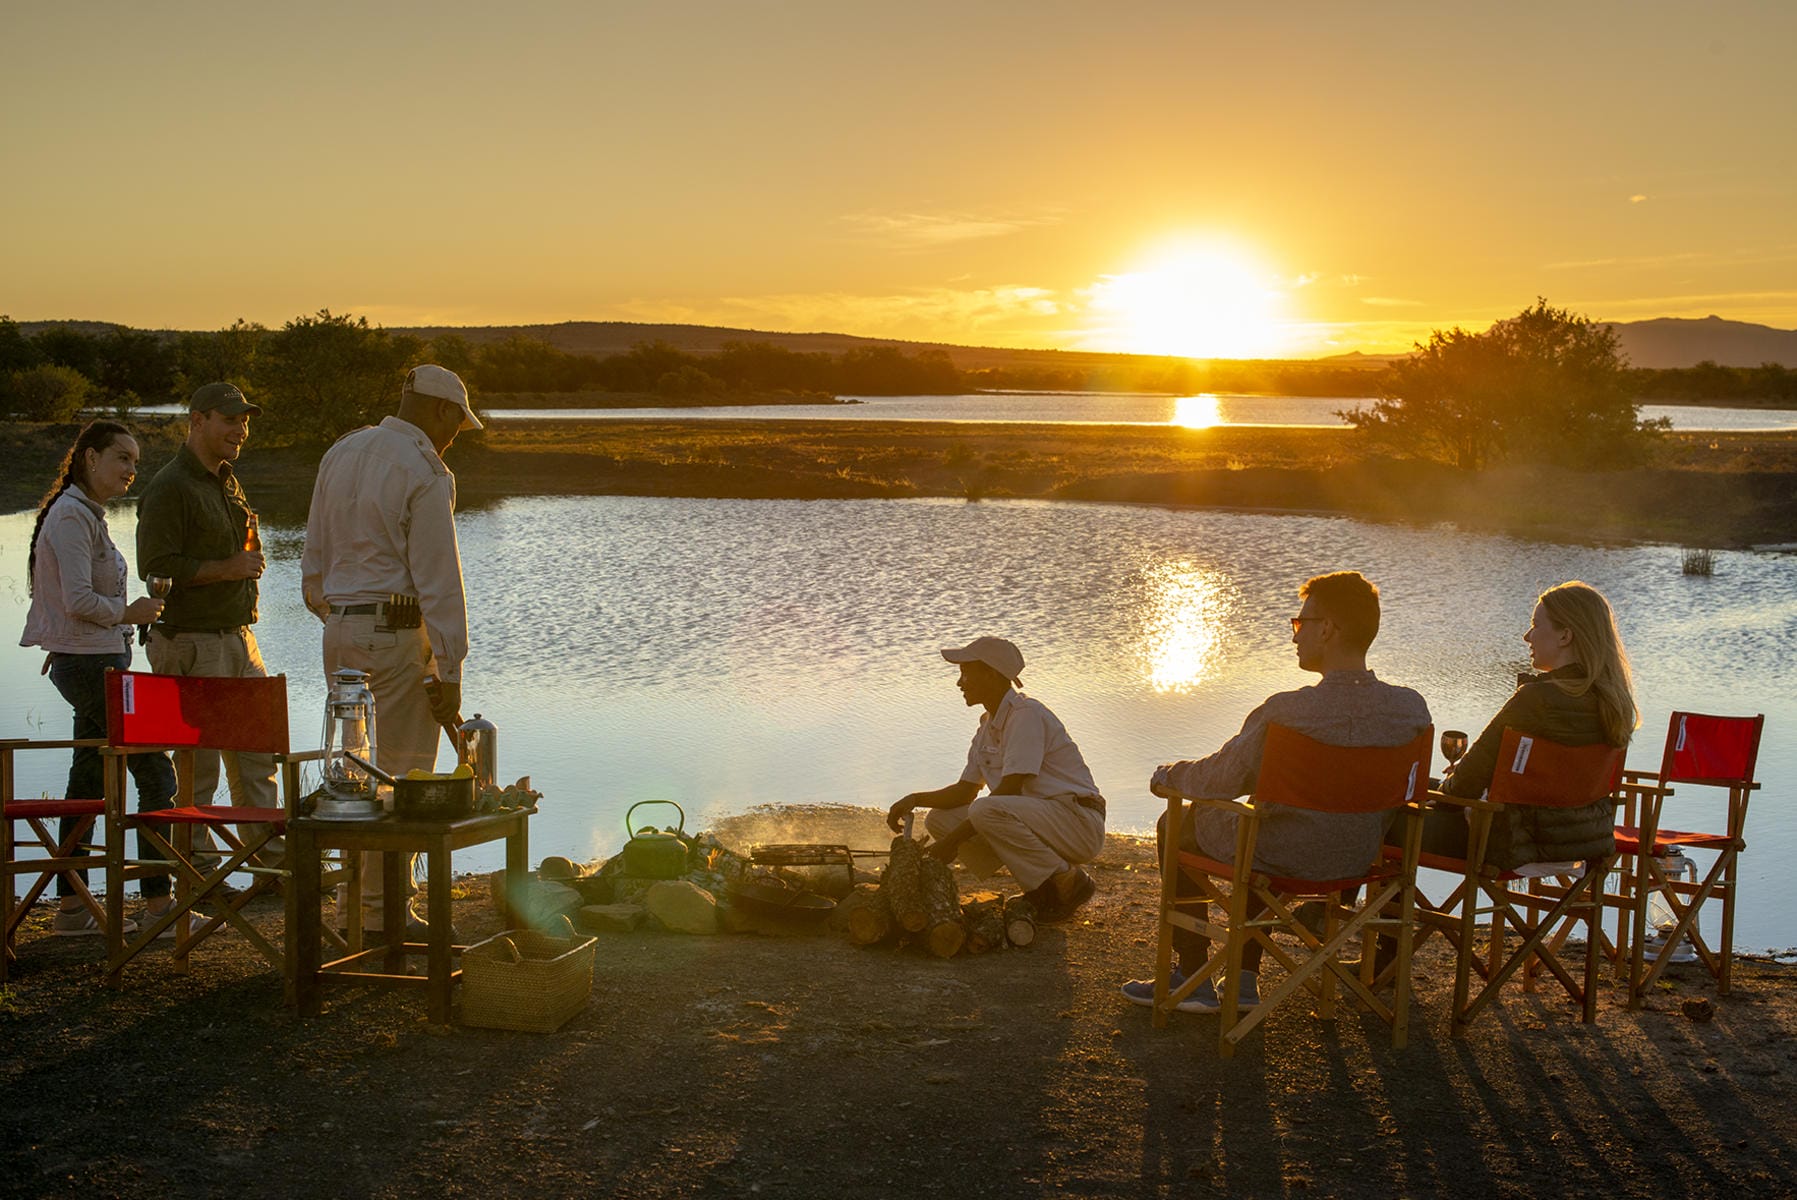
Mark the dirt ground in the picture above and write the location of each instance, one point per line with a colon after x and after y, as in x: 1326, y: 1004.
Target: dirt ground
x: 759, y: 1065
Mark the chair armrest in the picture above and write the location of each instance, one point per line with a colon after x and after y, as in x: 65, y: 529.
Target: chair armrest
x: 1443, y: 800
x: 53, y: 744
x: 1241, y: 808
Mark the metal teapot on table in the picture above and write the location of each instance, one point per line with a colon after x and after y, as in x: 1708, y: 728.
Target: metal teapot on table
x: 480, y: 742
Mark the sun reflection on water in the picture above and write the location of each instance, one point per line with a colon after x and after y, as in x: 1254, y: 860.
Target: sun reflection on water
x: 1197, y: 412
x: 1187, y: 611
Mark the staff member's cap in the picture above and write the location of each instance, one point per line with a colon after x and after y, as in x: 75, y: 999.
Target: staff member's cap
x: 1000, y: 655
x: 222, y: 398
x: 444, y: 384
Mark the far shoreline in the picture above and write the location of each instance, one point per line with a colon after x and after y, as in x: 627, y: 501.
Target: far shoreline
x: 1712, y: 490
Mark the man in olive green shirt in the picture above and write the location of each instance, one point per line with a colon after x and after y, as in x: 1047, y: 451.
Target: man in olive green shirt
x: 195, y: 527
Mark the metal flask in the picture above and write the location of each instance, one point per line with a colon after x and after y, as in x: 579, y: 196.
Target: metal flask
x: 349, y: 790
x: 480, y: 737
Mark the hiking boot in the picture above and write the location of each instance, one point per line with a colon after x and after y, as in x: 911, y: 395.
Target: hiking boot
x: 1051, y: 906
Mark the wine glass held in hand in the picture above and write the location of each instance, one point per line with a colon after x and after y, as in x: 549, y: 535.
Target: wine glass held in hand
x: 159, y: 587
x: 1453, y: 745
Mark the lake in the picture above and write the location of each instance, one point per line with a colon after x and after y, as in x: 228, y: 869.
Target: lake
x: 725, y: 654
x: 1076, y: 408
x: 1100, y: 408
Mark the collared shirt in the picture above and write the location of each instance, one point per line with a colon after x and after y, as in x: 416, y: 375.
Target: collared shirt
x: 383, y: 524
x: 1022, y: 737
x: 77, y: 581
x: 1344, y: 708
x: 188, y: 517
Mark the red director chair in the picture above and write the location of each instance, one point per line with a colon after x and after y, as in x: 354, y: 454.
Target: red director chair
x: 185, y: 714
x: 1700, y: 750
x: 59, y: 854
x: 1304, y: 773
x: 1535, y: 772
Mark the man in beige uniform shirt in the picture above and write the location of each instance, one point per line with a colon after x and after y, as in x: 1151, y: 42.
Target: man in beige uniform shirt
x: 382, y: 529
x: 1043, y: 815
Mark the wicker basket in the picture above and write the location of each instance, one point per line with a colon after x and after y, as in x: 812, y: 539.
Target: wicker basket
x: 526, y: 980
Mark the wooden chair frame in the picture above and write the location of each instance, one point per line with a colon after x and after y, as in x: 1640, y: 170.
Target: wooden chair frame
x: 1686, y: 762
x: 59, y: 852
x: 1384, y: 907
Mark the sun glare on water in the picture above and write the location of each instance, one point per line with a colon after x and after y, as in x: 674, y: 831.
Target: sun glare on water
x: 1183, y: 624
x: 1205, y: 302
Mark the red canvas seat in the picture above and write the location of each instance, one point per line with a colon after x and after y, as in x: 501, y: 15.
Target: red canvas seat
x: 54, y: 854
x: 1705, y: 751
x: 1301, y: 772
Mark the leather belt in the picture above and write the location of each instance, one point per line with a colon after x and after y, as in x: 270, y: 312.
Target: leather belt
x: 1095, y: 803
x: 357, y: 610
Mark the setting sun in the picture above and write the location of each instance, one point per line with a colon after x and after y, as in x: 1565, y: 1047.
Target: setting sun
x: 1195, y: 301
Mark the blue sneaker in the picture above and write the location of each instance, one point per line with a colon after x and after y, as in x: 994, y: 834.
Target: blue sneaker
x: 1202, y: 1000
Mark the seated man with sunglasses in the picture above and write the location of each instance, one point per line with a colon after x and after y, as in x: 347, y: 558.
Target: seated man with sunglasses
x: 1349, y: 706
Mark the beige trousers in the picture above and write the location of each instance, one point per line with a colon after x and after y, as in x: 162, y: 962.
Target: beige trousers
x: 405, y: 733
x: 1033, y: 836
x: 224, y: 653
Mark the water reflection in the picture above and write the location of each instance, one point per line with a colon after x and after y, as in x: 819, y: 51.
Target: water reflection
x: 1197, y: 412
x: 1187, y: 609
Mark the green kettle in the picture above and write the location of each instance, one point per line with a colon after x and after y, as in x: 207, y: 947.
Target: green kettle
x: 655, y: 853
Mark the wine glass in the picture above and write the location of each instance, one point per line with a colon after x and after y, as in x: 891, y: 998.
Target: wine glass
x: 1453, y: 745
x: 159, y: 587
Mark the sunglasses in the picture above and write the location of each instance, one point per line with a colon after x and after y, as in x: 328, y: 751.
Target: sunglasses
x: 1297, y: 621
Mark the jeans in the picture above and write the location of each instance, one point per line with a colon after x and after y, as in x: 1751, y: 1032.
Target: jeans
x: 81, y: 678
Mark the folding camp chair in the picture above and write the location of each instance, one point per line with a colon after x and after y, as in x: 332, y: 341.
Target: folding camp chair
x: 59, y: 852
x: 1303, y: 773
x: 185, y: 714
x: 1700, y: 750
x: 1531, y: 771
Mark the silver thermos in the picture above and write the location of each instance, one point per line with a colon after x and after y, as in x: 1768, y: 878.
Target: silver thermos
x: 480, y: 737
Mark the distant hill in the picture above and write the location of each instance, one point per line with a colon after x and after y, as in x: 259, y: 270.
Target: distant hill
x: 1685, y: 342
x: 1659, y: 343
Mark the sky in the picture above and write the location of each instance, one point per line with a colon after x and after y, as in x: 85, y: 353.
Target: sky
x: 1236, y: 180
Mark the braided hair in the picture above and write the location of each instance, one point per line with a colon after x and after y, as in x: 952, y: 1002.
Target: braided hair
x: 98, y: 435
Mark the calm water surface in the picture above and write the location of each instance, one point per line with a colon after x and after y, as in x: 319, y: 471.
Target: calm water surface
x: 731, y: 653
x: 1093, y: 408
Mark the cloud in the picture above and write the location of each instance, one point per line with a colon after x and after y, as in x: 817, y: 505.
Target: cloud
x: 1638, y: 198
x: 927, y: 231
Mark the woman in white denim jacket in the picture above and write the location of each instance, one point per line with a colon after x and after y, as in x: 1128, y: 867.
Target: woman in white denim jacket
x: 80, y: 616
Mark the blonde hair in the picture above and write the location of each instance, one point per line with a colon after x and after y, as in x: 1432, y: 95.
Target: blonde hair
x: 1581, y: 610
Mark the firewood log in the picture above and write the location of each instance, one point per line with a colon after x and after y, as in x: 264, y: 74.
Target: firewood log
x: 864, y: 916
x: 985, y: 921
x: 943, y: 904
x: 1020, y: 921
x: 903, y: 885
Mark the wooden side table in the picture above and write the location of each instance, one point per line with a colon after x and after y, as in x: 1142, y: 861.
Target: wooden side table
x: 308, y: 837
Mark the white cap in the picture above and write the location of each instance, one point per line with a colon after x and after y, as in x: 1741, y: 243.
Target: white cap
x: 444, y: 384
x: 995, y: 652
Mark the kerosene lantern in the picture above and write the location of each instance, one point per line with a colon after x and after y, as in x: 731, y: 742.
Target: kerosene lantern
x: 349, y: 790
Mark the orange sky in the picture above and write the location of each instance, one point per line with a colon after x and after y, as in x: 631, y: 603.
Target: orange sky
x: 1176, y: 177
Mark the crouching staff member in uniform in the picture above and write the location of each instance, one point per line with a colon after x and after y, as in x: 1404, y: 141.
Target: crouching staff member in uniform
x: 1043, y: 815
x: 383, y: 572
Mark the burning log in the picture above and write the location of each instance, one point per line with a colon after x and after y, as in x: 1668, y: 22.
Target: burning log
x: 865, y: 916
x: 1019, y: 921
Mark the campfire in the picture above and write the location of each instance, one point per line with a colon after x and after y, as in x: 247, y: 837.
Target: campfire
x: 776, y: 887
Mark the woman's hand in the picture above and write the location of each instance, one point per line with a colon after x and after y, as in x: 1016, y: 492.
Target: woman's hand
x: 142, y: 611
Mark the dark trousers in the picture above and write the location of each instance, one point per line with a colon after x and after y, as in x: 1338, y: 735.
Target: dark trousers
x: 81, y: 678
